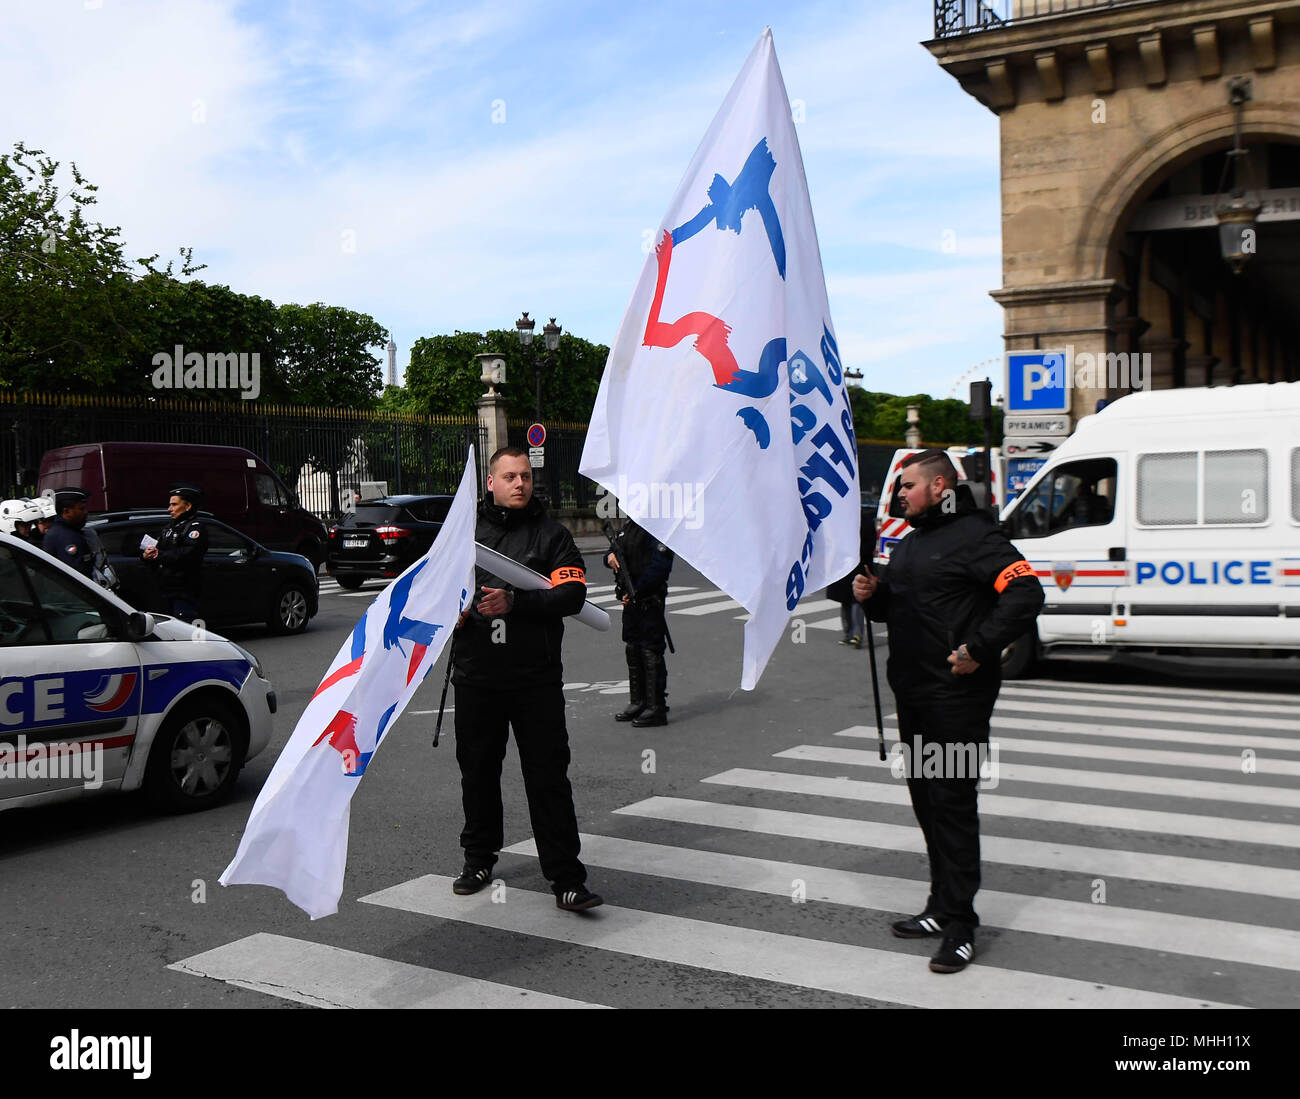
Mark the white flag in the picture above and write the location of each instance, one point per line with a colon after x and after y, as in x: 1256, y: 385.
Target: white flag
x: 297, y: 835
x: 722, y: 423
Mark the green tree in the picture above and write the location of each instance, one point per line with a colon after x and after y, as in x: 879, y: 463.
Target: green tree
x: 325, y: 357
x: 443, y: 376
x: 884, y: 416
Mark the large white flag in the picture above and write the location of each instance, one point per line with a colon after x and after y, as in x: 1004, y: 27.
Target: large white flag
x: 722, y: 423
x: 297, y: 835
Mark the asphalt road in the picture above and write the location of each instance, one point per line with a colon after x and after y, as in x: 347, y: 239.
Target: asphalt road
x: 751, y: 854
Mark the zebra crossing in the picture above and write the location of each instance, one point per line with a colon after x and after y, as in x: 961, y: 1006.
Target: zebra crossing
x: 1147, y: 864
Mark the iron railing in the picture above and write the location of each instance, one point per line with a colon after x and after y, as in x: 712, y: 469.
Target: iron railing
x: 958, y: 17
x: 319, y: 453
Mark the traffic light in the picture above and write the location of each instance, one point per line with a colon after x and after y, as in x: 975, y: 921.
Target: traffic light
x: 981, y: 400
x: 976, y: 464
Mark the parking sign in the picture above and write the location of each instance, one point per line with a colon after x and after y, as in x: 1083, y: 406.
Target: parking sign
x: 1037, y: 381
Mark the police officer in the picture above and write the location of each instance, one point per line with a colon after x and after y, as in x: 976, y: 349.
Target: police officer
x: 955, y: 593
x: 643, y: 591
x: 66, y: 538
x: 178, y: 556
x: 508, y: 675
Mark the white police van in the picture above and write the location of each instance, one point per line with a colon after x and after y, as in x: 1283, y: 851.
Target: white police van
x: 96, y: 696
x: 1169, y: 522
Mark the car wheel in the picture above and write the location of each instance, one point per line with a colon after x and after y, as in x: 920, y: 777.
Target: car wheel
x: 350, y: 582
x: 196, y: 757
x: 290, y: 611
x: 1020, y: 657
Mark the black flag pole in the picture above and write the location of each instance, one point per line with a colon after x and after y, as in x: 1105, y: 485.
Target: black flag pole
x: 875, y: 688
x: 442, y: 705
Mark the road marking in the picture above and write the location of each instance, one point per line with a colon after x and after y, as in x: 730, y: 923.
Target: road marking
x: 816, y: 606
x: 1231, y: 706
x: 1247, y: 793
x: 710, y: 608
x: 999, y: 805
x: 890, y: 976
x: 1258, y: 742
x: 1036, y: 706
x: 1248, y: 944
x: 327, y: 976
x: 1051, y: 685
x: 448, y: 710
x: 1234, y: 877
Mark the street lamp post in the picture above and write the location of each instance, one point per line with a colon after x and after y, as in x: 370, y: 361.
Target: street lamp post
x: 551, y: 337
x: 1237, y: 216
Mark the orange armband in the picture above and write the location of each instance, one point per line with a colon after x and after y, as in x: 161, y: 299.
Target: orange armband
x: 568, y: 575
x: 1014, y: 571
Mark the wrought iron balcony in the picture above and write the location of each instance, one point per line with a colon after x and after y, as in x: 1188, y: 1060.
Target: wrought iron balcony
x: 957, y: 17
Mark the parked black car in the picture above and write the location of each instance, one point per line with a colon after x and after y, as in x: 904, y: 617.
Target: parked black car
x: 380, y: 538
x: 243, y: 581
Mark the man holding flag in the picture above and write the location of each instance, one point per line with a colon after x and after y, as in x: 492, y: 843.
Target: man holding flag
x: 725, y: 372
x: 508, y: 675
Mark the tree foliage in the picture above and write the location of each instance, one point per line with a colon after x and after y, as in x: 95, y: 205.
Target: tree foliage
x: 884, y: 416
x: 443, y: 376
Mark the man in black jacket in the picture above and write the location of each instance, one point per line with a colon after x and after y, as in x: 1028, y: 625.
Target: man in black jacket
x: 955, y: 593
x: 508, y: 674
x: 179, y: 554
x: 642, y: 593
x: 66, y: 538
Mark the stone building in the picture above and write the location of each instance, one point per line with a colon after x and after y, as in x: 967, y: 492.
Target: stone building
x: 1116, y: 121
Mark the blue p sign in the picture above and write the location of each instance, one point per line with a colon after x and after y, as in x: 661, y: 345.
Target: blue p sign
x: 1037, y: 381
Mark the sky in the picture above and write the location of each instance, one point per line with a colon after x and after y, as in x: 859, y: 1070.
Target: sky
x: 443, y: 166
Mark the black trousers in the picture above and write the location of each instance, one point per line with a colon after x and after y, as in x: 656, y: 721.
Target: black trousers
x: 644, y: 626
x: 483, y: 720
x: 943, y: 786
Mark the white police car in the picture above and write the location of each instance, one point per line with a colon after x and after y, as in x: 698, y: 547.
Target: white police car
x: 95, y: 695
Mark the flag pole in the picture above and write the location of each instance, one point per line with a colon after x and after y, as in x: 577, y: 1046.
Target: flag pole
x: 875, y: 680
x: 442, y: 704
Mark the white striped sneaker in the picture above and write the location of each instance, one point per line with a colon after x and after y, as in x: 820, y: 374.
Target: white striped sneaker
x: 918, y: 927
x: 953, y: 956
x: 577, y: 900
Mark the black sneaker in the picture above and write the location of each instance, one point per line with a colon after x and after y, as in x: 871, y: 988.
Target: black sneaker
x: 918, y: 927
x: 471, y: 880
x: 953, y: 956
x: 577, y: 900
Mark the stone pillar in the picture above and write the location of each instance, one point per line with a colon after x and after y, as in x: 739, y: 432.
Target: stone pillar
x: 492, y: 417
x: 1161, y: 348
x: 1200, y: 370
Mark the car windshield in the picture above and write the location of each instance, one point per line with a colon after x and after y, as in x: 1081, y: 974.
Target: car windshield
x: 373, y: 515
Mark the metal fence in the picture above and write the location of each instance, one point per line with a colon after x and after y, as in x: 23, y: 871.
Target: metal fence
x: 320, y: 453
x: 956, y: 17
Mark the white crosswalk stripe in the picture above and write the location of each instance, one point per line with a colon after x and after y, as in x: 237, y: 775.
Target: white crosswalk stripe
x: 1126, y: 827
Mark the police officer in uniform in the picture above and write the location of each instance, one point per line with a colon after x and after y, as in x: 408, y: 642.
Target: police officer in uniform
x: 956, y: 592
x: 66, y: 538
x: 508, y: 675
x: 178, y: 556
x: 643, y: 592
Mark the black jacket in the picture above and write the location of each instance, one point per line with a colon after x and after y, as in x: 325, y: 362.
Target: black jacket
x: 70, y: 545
x: 956, y: 578
x: 181, y: 549
x: 529, y: 654
x: 648, y: 560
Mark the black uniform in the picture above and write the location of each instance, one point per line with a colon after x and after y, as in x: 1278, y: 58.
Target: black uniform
x: 649, y: 563
x: 69, y: 544
x: 955, y: 579
x: 181, y: 549
x: 515, y: 682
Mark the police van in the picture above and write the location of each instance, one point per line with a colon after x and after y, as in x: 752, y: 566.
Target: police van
x: 97, y: 696
x: 972, y: 471
x: 1169, y: 522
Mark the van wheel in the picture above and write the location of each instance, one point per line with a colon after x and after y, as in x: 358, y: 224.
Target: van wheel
x: 1020, y: 657
x: 313, y: 551
x: 290, y: 611
x: 196, y: 758
x: 350, y: 582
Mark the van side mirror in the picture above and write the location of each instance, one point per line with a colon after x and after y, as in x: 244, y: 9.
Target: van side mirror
x: 139, y: 625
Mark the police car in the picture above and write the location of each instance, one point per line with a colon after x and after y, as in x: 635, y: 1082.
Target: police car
x: 96, y: 696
